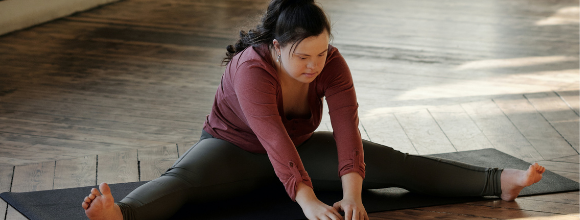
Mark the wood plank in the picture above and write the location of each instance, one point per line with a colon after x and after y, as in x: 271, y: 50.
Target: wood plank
x: 547, y: 141
x: 560, y: 166
x: 5, y: 184
x: 385, y: 129
x: 420, y: 214
x: 573, y: 176
x: 64, y: 132
x: 12, y: 214
x: 161, y: 133
x: 459, y: 128
x: 95, y: 112
x: 76, y: 172
x: 7, y: 161
x: 115, y: 101
x: 155, y: 161
x: 531, y: 205
x: 567, y: 198
x: 569, y: 159
x: 34, y: 147
x: 424, y: 132
x: 500, y: 131
x: 487, y: 212
x: 572, y: 98
x: 117, y: 167
x: 28, y: 178
x: 559, y: 114
x: 33, y: 177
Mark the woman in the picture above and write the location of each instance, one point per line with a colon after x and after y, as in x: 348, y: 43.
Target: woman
x: 261, y: 129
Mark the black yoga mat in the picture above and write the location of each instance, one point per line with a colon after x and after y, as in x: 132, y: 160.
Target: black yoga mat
x: 272, y: 202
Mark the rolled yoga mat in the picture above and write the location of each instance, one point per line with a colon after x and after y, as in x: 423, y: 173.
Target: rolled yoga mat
x: 272, y: 202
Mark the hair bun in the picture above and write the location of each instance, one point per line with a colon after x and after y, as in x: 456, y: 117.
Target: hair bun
x: 288, y: 3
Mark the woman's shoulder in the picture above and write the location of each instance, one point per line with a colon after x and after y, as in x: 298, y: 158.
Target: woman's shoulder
x: 250, y: 64
x: 332, y: 53
x: 252, y: 56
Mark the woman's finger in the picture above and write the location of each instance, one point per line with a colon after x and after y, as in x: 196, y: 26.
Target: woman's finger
x: 337, y: 206
x: 348, y: 214
x: 337, y: 214
x: 332, y: 217
x: 355, y: 214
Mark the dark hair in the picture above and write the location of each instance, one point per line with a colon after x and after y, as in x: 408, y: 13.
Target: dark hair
x: 288, y: 21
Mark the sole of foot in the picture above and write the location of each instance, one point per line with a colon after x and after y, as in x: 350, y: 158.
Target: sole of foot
x: 513, y: 181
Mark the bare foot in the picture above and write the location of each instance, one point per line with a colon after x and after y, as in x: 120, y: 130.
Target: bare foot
x: 513, y: 181
x: 103, y: 206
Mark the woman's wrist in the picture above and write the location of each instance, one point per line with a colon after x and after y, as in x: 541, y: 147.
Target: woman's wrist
x: 352, y: 185
x: 304, y: 194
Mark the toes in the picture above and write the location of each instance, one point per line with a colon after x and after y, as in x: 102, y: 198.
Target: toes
x: 87, y: 199
x: 538, y: 168
x: 105, y: 189
x: 92, y: 196
x: 542, y: 170
x: 95, y: 192
x: 85, y: 205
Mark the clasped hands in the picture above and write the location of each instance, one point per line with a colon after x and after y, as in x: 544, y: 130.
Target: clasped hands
x: 353, y: 210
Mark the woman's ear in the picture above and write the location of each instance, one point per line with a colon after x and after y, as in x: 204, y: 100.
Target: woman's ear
x: 276, y: 46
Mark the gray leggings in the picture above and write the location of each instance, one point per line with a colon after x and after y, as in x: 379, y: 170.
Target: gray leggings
x: 214, y: 169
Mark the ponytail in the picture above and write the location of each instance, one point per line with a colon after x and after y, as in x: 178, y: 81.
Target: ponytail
x: 288, y: 21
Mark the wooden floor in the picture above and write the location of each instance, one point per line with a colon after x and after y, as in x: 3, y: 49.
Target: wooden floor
x: 130, y: 83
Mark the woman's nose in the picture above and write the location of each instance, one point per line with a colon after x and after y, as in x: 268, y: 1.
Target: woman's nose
x: 312, y: 65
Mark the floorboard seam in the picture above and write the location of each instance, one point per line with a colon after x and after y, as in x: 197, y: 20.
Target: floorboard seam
x: 496, y: 105
x: 568, y: 104
x: 516, y: 209
x: 476, y: 125
x: 563, y: 157
x: 11, y: 182
x: 550, y: 124
x: 561, y: 161
x: 531, y: 198
x: 97, y: 170
x: 138, y: 166
x: 459, y: 214
x: 53, y: 174
x: 365, y: 130
x: 440, y: 128
x: 406, y: 134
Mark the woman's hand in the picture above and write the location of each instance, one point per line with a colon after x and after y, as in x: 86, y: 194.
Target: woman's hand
x: 353, y: 209
x: 317, y: 210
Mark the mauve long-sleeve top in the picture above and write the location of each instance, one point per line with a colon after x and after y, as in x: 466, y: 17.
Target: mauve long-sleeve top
x: 248, y: 112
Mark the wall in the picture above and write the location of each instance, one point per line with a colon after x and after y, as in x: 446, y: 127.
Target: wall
x: 19, y: 14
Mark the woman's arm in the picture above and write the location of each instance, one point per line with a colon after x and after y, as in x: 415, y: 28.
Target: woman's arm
x: 304, y: 194
x: 351, y: 202
x: 352, y: 186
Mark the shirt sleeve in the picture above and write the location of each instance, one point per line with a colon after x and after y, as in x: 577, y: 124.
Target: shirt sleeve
x: 256, y: 92
x: 343, y: 111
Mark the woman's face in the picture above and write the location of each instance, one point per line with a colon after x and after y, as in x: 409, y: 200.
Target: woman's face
x: 306, y: 62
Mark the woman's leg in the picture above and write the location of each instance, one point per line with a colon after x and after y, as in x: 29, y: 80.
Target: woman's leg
x: 211, y: 170
x: 386, y: 167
